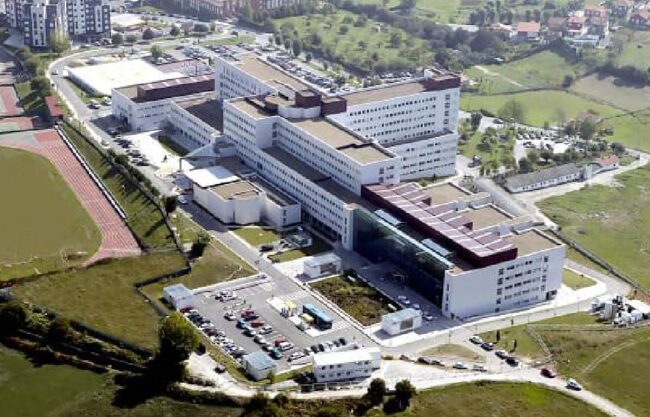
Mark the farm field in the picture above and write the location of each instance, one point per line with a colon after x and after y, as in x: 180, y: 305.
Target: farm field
x: 612, y: 222
x: 356, y: 46
x: 609, y: 90
x: 42, y: 216
x: 546, y: 69
x: 27, y: 390
x: 636, y: 51
x: 102, y: 296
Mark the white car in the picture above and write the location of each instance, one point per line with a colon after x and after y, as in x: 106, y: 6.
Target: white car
x: 479, y: 368
x: 427, y: 316
x: 460, y: 365
x: 573, y: 384
x: 501, y: 353
x: 476, y: 340
x: 296, y: 355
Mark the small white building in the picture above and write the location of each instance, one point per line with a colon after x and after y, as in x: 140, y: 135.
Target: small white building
x: 258, y: 365
x: 346, y: 365
x: 234, y: 200
x: 178, y: 296
x: 401, y: 321
x: 318, y: 266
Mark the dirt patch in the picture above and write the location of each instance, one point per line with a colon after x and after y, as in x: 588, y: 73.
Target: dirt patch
x: 613, y: 91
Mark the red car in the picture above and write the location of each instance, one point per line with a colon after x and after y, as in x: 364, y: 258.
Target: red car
x: 279, y: 341
x: 549, y: 372
x: 257, y: 323
x: 247, y: 312
x: 186, y: 309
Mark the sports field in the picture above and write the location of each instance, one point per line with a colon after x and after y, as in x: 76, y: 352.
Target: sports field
x: 612, y: 222
x: 9, y: 124
x: 9, y: 105
x: 41, y: 216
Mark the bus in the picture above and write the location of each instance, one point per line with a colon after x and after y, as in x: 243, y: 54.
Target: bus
x: 321, y: 320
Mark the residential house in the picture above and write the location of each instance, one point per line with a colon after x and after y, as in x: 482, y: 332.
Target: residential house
x: 592, y: 10
x: 622, y: 8
x: 640, y: 18
x: 599, y: 26
x: 576, y: 26
x: 527, y: 31
x: 555, y: 28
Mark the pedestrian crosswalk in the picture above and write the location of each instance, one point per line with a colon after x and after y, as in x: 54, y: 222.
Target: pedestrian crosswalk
x: 297, y: 295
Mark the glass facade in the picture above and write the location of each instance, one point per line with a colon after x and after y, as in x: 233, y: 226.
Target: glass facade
x: 379, y: 241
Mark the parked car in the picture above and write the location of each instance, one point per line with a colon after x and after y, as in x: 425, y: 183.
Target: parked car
x: 257, y: 323
x: 476, y: 340
x: 229, y: 316
x: 487, y: 346
x: 479, y: 368
x: 573, y: 384
x: 512, y: 361
x: 296, y: 355
x: 276, y: 354
x: 259, y: 339
x: 280, y: 340
x: 220, y: 368
x: 460, y: 365
x: 549, y: 372
x: 266, y: 329
x: 501, y: 354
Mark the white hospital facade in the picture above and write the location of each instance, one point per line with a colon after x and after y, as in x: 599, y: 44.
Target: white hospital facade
x: 345, y: 159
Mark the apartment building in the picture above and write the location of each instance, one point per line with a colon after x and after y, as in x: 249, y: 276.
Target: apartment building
x: 40, y: 18
x: 415, y: 119
x: 346, y: 365
x: 89, y: 18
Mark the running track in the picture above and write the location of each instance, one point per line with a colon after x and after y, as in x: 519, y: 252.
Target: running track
x: 117, y: 240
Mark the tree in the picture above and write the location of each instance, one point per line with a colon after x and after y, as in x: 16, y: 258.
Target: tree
x: 199, y: 245
x: 175, y: 31
x: 271, y: 376
x: 177, y: 340
x: 546, y: 154
x: 41, y: 85
x: 404, y: 391
x: 287, y: 44
x: 587, y: 129
x: 344, y: 29
x: 131, y: 38
x: 156, y: 52
x: 201, y: 28
x: 117, y: 38
x: 60, y: 331
x: 533, y: 156
x: 296, y: 47
x: 560, y: 117
x: 513, y: 111
x: 148, y: 34
x: 498, y: 337
x: 32, y: 64
x: 376, y: 391
x: 59, y: 42
x: 170, y: 203
x: 308, y: 57
x: 475, y: 120
x: 13, y: 316
x: 618, y: 148
x: 525, y: 166
x: 395, y: 40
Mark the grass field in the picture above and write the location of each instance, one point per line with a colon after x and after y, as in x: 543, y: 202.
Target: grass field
x: 41, y: 217
x: 546, y: 69
x: 256, y: 236
x: 318, y: 246
x: 103, y: 297
x: 612, y: 91
x: 499, y: 150
x: 443, y: 11
x: 362, y: 302
x: 29, y: 99
x: 612, y: 222
x: 142, y: 215
x: 637, y: 50
x: 454, y: 352
x: 496, y: 400
x: 412, y: 51
x: 27, y: 390
x: 576, y: 281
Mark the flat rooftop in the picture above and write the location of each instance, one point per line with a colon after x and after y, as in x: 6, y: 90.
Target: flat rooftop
x: 384, y: 92
x: 250, y: 109
x: 338, y: 138
x: 237, y: 190
x: 531, y: 241
x: 205, y: 108
x: 263, y: 71
x: 485, y: 217
x: 444, y: 193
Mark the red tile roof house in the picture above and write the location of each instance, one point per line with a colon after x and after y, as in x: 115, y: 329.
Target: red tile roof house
x: 640, y: 18
x: 576, y: 26
x: 528, y: 31
x: 556, y: 26
x: 605, y: 163
x: 592, y: 10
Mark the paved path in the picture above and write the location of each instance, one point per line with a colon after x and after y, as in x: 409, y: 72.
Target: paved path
x: 496, y: 74
x: 117, y: 240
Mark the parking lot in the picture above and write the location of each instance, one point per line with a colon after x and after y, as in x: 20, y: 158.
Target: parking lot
x: 251, y: 295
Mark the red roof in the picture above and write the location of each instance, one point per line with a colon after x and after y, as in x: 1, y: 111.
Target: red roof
x: 530, y: 27
x: 53, y: 107
x: 608, y: 160
x: 642, y: 14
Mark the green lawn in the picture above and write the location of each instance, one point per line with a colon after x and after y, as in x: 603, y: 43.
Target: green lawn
x: 256, y: 236
x: 318, y: 246
x: 495, y: 399
x: 498, y: 149
x: 611, y: 90
x: 355, y: 47
x: 42, y: 216
x: 637, y: 50
x: 27, y: 390
x: 230, y: 41
x: 540, y: 106
x: 29, y: 99
x: 453, y: 351
x: 612, y: 222
x: 142, y: 215
x: 103, y: 297
x: 576, y: 281
x: 443, y: 11
x: 362, y: 302
x: 544, y: 69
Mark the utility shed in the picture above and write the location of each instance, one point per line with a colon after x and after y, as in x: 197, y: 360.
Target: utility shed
x: 320, y: 265
x: 258, y: 365
x: 401, y: 321
x: 178, y: 296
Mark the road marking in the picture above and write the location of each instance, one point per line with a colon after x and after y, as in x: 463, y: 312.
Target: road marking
x: 297, y: 295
